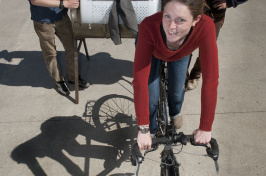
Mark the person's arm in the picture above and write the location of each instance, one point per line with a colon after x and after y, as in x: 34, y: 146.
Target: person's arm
x: 219, y: 4
x: 141, y: 70
x: 70, y: 4
x: 234, y: 3
x: 144, y: 138
x: 223, y: 4
x: 210, y: 74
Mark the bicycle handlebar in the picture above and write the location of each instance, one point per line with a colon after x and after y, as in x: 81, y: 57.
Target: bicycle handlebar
x: 212, y: 151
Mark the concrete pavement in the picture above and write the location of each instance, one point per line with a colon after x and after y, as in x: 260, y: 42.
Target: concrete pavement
x: 44, y: 133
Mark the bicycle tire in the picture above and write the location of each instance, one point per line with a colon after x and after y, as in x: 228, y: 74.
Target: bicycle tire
x: 170, y: 170
x: 114, y: 111
x: 169, y: 164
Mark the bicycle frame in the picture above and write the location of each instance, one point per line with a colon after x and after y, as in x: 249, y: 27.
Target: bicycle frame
x: 163, y: 120
x: 169, y: 165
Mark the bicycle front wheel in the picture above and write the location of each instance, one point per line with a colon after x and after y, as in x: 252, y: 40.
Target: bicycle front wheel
x: 169, y: 164
x: 170, y: 171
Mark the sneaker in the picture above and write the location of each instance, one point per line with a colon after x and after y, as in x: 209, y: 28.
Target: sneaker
x: 177, y: 122
x: 193, y: 82
x: 62, y: 88
x: 82, y: 83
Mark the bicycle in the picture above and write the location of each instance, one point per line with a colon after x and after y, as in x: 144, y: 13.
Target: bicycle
x: 167, y: 135
x: 169, y: 165
x: 163, y: 121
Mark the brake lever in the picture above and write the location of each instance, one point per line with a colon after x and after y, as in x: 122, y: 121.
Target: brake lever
x: 214, y: 157
x: 138, y: 162
x: 213, y: 154
x: 153, y: 149
x: 216, y: 166
x: 139, y: 159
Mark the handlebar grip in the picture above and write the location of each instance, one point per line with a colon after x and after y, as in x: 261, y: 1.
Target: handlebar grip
x: 191, y: 139
x: 160, y: 140
x: 212, y: 151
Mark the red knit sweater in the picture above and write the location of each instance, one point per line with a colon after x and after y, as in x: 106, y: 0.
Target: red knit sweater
x: 150, y: 42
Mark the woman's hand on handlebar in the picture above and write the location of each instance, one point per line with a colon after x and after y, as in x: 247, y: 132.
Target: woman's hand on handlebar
x: 144, y: 141
x: 202, y: 137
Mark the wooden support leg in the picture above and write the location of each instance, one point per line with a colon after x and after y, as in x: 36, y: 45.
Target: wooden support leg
x: 76, y: 72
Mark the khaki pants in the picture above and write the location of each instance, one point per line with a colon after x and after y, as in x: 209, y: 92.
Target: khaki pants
x: 46, y: 33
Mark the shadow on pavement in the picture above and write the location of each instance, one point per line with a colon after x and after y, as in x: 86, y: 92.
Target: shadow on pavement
x: 114, y: 126
x: 103, y: 69
x: 27, y: 68
x: 24, y: 68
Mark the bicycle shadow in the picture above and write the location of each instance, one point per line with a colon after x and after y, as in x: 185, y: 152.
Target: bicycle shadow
x: 27, y: 68
x: 113, y: 114
x: 60, y: 134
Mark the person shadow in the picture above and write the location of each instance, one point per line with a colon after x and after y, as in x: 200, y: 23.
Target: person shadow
x: 62, y: 133
x: 27, y: 68
x: 24, y: 68
x: 102, y: 68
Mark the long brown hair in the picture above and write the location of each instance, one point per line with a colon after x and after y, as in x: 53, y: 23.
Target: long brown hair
x: 196, y: 7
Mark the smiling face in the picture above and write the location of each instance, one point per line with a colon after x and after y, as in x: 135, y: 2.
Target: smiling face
x: 177, y: 21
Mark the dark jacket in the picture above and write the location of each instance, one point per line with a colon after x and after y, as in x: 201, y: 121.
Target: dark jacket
x: 46, y: 14
x: 125, y: 10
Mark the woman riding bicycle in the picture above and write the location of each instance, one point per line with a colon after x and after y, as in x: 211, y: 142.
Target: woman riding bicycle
x: 172, y: 35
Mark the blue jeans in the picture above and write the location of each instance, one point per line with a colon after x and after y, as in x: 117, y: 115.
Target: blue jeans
x: 176, y: 80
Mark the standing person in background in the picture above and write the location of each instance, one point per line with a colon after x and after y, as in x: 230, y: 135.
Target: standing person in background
x: 172, y: 35
x: 217, y: 13
x: 50, y: 18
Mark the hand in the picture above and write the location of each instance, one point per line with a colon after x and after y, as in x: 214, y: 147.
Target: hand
x: 219, y: 4
x: 202, y: 137
x: 71, y: 4
x: 144, y: 141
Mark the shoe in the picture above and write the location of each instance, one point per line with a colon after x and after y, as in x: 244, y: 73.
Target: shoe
x: 62, y: 88
x: 177, y: 122
x: 152, y: 135
x: 193, y: 81
x: 192, y: 84
x: 82, y: 83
